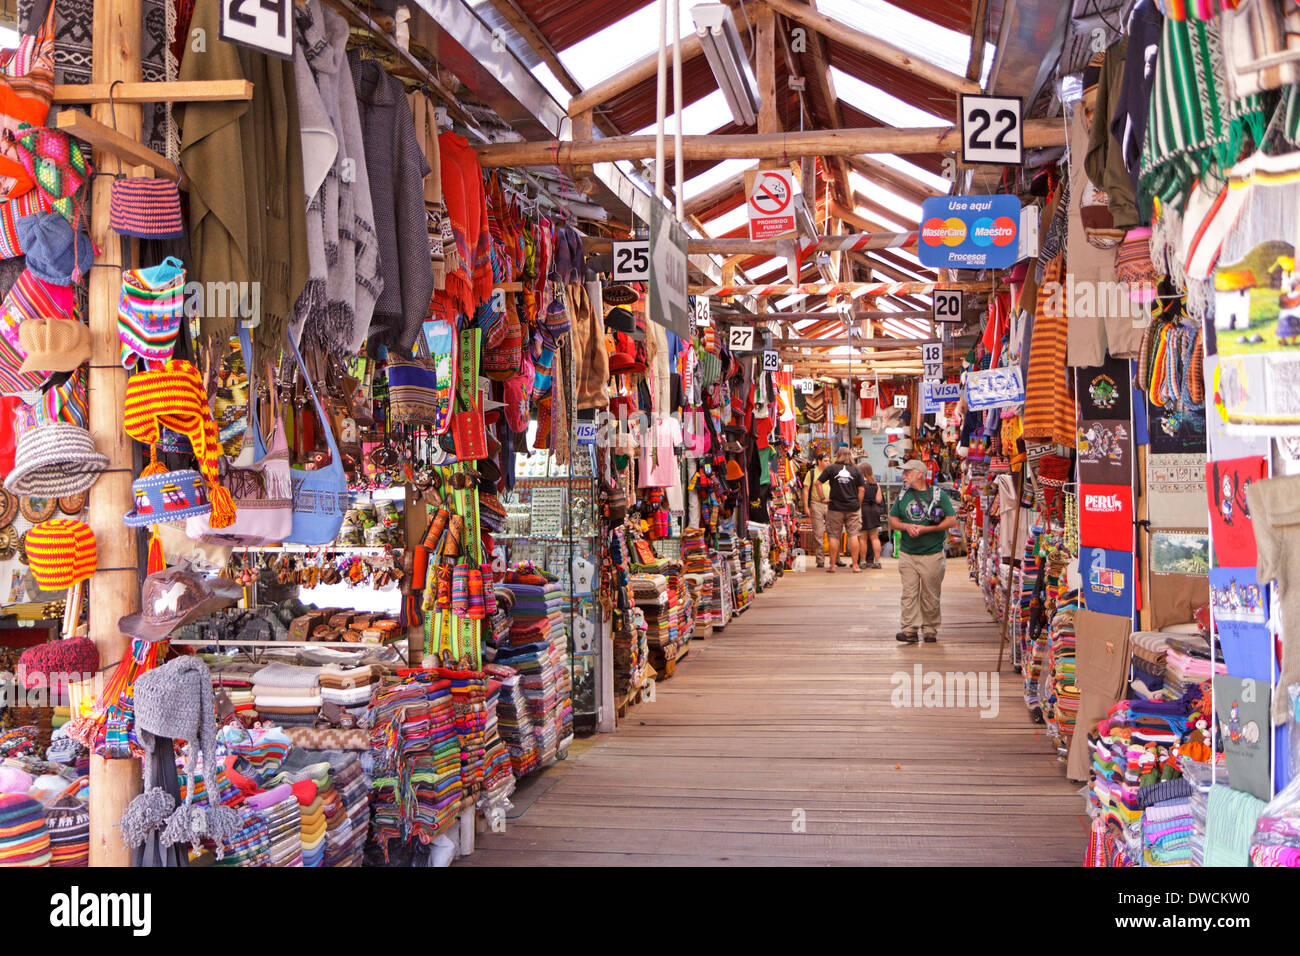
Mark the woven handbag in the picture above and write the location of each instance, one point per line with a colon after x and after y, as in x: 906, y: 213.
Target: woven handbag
x: 320, y: 496
x: 262, y: 492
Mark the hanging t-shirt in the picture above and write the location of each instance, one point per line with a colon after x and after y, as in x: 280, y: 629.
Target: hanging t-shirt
x: 1233, y: 533
x: 845, y: 480
x: 659, y: 468
x: 1106, y: 517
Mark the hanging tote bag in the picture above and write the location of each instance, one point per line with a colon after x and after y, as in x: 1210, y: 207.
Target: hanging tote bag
x: 26, y: 89
x: 262, y: 492
x: 320, y: 496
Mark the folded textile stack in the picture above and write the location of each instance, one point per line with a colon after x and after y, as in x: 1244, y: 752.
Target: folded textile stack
x: 708, y: 601
x: 24, y: 840
x: 539, y: 650
x: 348, y: 687
x: 251, y: 845
x: 303, y: 766
x: 287, y: 694
x: 1058, y: 694
x: 227, y: 793
x: 1149, y: 649
x: 497, y: 776
x: 513, y: 721
x: 311, y: 821
x: 1276, y: 841
x: 67, y: 820
x: 416, y: 756
x: 354, y: 790
x: 469, y: 691
x: 264, y: 748
x: 235, y: 678
x: 1200, y: 778
x: 1187, y: 665
x: 1167, y: 834
x: 1026, y: 580
x: 278, y: 810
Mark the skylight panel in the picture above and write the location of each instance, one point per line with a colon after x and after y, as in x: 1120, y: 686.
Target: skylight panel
x: 920, y: 37
x: 875, y: 102
x: 605, y: 53
x: 728, y: 221
x: 703, y: 116
x: 713, y: 176
x: 924, y: 176
x: 882, y: 195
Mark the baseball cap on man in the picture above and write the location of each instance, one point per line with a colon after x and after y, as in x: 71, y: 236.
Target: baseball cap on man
x: 915, y: 464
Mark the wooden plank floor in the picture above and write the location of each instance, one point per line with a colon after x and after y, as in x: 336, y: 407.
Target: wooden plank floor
x: 786, y: 716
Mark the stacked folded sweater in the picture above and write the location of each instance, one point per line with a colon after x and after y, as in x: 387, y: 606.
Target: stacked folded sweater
x: 251, y: 846
x: 287, y: 694
x: 1188, y: 665
x: 312, y: 822
x: 497, y: 773
x: 1057, y: 692
x: 348, y: 687
x: 1167, y: 833
x: 24, y: 840
x: 1149, y: 650
x: 354, y: 790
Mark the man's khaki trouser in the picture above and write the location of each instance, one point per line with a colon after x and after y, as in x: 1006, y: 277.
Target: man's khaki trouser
x: 818, y: 511
x: 922, y: 581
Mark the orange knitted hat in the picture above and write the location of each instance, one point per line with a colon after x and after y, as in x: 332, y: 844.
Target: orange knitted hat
x: 173, y: 396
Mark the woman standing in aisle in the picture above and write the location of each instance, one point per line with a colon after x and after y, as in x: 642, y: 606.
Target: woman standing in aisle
x: 814, y: 503
x: 872, y: 509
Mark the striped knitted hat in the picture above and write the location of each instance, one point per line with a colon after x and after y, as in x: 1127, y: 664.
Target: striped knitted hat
x: 61, y: 553
x: 24, y: 841
x: 173, y: 396
x: 150, y: 310
x: 146, y: 208
x: 55, y: 460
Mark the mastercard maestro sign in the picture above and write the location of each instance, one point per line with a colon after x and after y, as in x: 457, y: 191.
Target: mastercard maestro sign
x: 969, y: 232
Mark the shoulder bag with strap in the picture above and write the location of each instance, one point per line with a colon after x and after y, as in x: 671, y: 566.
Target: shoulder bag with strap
x: 262, y: 492
x: 320, y: 496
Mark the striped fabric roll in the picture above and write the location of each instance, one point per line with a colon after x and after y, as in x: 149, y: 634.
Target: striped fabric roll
x: 61, y: 553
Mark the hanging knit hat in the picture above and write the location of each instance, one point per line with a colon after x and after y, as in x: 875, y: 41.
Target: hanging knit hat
x: 146, y: 208
x: 54, y: 345
x: 150, y: 311
x: 54, y: 252
x: 173, y: 396
x: 167, y: 496
x: 24, y: 841
x: 61, y: 553
x: 64, y: 658
x: 175, y: 701
x: 55, y: 460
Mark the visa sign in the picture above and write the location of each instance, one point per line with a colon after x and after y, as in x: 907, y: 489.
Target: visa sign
x: 995, y: 388
x: 934, y: 395
x: 969, y: 232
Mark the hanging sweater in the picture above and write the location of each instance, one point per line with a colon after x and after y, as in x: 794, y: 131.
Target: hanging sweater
x: 244, y: 162
x: 335, y: 308
x: 397, y: 168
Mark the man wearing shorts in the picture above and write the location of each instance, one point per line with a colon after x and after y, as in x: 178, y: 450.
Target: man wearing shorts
x: 923, y: 514
x: 844, y: 509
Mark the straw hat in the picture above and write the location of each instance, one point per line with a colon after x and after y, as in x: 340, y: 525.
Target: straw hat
x: 53, y: 345
x: 55, y: 460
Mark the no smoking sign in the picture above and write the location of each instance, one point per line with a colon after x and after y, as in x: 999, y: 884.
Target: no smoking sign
x: 770, y: 200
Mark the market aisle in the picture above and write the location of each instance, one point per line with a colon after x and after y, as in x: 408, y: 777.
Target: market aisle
x: 790, y: 709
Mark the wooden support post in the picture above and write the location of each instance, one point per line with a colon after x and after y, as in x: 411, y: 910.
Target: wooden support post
x: 769, y: 120
x: 113, y: 593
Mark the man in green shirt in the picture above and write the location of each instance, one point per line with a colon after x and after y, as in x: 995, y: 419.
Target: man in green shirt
x: 923, y: 514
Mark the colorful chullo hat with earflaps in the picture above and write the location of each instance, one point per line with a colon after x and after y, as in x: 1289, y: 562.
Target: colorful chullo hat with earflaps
x: 173, y: 396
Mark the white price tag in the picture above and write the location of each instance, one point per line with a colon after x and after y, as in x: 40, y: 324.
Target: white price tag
x: 632, y: 261
x: 947, y: 305
x: 771, y: 361
x: 741, y: 338
x: 261, y: 24
x: 992, y: 130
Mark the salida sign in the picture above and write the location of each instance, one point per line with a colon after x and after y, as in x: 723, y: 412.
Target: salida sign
x: 969, y: 232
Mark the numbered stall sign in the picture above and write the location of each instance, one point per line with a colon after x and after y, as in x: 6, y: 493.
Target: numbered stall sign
x: 741, y: 338
x: 947, y: 305
x: 632, y: 261
x: 900, y: 400
x: 261, y: 24
x: 932, y: 361
x: 807, y: 386
x: 771, y: 361
x: 992, y: 130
